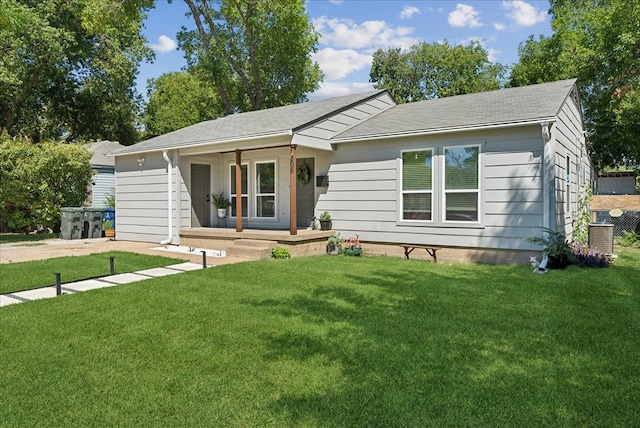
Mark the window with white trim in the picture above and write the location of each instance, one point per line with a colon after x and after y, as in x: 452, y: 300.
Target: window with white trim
x: 232, y: 185
x: 265, y: 197
x: 462, y: 183
x: 417, y: 185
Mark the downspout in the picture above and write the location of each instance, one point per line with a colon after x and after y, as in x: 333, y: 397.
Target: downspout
x: 547, y: 174
x: 169, y: 198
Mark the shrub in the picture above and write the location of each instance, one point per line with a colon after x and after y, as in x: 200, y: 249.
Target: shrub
x: 629, y: 239
x: 554, y: 244
x: 585, y: 256
x: 280, y: 253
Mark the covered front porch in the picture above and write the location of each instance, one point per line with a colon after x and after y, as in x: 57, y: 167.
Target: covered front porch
x: 256, y: 243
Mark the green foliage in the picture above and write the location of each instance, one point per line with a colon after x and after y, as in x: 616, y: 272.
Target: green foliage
x: 435, y: 70
x: 37, y: 180
x: 280, y: 253
x: 629, y: 239
x: 597, y: 42
x: 581, y: 225
x: 177, y: 100
x: 220, y: 201
x: 332, y: 342
x: 67, y: 69
x: 40, y: 273
x: 256, y: 54
x: 325, y: 216
x: 110, y: 198
x: 107, y: 225
x: 335, y: 239
x: 554, y: 244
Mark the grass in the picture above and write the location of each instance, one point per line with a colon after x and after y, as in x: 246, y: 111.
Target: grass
x: 41, y: 273
x: 332, y: 342
x: 21, y: 237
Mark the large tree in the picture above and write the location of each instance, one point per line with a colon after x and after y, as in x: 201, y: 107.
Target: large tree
x: 599, y: 43
x: 67, y: 68
x: 177, y: 100
x: 437, y: 70
x: 256, y: 53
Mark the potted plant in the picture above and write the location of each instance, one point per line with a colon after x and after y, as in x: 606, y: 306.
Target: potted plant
x: 352, y: 246
x: 555, y: 247
x: 334, y: 244
x: 109, y: 231
x: 325, y: 221
x: 221, y: 203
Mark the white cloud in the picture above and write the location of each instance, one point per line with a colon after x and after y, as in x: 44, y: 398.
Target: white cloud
x: 337, y: 64
x: 166, y: 44
x: 464, y: 16
x: 499, y: 26
x: 338, y: 89
x: 523, y: 14
x: 409, y: 11
x: 336, y: 1
x: 346, y: 33
x: 492, y: 55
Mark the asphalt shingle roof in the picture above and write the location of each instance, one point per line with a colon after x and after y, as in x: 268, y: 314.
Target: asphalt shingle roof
x: 100, y: 150
x: 506, y: 106
x: 250, y: 124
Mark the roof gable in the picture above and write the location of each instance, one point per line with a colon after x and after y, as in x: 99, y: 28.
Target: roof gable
x: 273, y: 121
x: 502, y: 107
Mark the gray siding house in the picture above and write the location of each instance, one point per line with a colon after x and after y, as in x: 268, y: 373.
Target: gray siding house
x: 104, y: 179
x: 479, y: 171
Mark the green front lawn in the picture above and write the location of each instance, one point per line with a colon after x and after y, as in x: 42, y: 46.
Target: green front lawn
x: 41, y: 273
x: 21, y: 237
x: 332, y: 342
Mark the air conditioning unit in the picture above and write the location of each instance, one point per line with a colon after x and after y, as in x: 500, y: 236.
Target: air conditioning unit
x: 601, y: 237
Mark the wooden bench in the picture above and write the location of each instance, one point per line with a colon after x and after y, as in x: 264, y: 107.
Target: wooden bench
x: 408, y: 248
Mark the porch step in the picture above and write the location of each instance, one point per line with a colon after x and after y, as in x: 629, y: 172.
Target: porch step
x: 251, y: 248
x: 260, y: 243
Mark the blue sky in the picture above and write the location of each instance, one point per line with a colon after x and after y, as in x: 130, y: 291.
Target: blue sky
x: 351, y: 30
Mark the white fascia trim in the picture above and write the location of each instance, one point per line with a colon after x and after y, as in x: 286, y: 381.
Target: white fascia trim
x: 444, y: 130
x: 286, y: 133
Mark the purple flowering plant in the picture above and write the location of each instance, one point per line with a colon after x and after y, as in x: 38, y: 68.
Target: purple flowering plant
x: 586, y: 256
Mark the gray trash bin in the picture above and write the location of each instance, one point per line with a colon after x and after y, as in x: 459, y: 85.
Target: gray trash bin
x: 92, y: 222
x: 71, y: 222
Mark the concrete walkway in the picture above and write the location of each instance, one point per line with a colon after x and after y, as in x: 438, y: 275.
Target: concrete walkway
x: 50, y: 248
x: 92, y: 284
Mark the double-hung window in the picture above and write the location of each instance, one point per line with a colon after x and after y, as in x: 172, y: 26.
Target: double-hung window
x: 417, y: 185
x: 462, y: 183
x: 245, y: 195
x: 265, y: 197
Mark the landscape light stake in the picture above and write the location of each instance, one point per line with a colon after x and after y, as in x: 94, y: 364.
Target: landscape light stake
x: 204, y: 259
x: 112, y: 265
x: 58, y: 284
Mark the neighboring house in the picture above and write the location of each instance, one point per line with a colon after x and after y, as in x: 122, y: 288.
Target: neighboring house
x: 616, y: 183
x: 104, y: 180
x: 480, y: 171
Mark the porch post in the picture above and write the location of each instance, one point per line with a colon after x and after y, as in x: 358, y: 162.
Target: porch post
x: 293, y: 209
x: 238, y: 190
